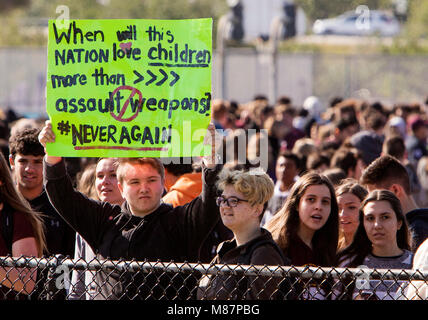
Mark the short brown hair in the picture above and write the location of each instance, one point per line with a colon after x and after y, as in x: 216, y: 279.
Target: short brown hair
x: 394, y: 146
x: 219, y: 108
x: 285, y: 108
x: 345, y: 159
x: 154, y: 162
x: 316, y: 160
x: 384, y: 172
x: 26, y: 142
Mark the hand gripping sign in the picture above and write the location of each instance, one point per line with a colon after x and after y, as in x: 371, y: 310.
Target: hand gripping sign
x: 129, y: 88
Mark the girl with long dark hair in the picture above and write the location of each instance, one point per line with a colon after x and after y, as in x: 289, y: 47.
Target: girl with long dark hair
x: 21, y: 235
x: 382, y: 241
x: 306, y: 228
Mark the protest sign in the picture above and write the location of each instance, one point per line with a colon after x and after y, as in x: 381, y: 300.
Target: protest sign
x: 129, y: 88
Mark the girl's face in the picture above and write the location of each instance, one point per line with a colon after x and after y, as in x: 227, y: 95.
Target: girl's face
x: 236, y: 217
x: 349, y: 205
x: 106, y: 182
x: 380, y: 223
x: 315, y: 207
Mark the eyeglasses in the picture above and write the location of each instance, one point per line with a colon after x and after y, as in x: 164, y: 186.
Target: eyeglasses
x: 231, y: 202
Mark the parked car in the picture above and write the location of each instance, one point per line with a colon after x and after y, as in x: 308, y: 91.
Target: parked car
x: 372, y: 22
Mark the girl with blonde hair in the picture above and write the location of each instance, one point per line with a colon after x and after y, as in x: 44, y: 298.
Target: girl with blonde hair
x: 244, y: 198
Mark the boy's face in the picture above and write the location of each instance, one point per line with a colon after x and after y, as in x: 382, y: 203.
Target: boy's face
x: 286, y: 169
x: 142, y: 187
x: 28, y: 171
x: 422, y: 133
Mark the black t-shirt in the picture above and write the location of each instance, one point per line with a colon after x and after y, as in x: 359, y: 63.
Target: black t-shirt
x: 418, y: 224
x: 60, y: 237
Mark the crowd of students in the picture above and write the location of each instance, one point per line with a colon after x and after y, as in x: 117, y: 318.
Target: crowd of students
x: 344, y: 185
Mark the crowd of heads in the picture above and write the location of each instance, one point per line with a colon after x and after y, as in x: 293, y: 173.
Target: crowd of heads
x: 352, y: 146
x: 346, y: 134
x: 349, y: 162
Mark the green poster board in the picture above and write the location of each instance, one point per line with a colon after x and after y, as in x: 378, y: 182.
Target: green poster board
x: 129, y: 88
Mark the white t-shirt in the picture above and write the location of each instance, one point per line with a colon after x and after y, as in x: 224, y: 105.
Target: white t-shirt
x: 276, y: 202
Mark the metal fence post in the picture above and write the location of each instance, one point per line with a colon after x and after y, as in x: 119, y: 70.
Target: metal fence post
x: 220, y: 41
x: 276, y: 30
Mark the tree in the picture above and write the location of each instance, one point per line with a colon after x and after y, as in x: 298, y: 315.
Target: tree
x: 417, y: 25
x: 130, y: 9
x: 7, y: 5
x: 14, y: 32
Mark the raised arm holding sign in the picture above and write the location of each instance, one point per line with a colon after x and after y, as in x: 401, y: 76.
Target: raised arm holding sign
x: 143, y: 227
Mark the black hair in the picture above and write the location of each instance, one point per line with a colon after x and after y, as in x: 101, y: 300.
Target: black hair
x: 26, y: 142
x: 178, y: 166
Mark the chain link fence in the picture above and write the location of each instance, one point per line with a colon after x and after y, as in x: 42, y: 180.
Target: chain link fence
x: 49, y: 278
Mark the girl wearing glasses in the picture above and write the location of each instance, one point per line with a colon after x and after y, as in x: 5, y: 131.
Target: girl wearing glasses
x: 306, y: 229
x: 242, y: 203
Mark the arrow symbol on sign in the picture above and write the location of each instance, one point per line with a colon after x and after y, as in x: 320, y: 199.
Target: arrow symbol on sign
x: 176, y: 77
x: 140, y: 77
x: 165, y: 76
x: 152, y: 79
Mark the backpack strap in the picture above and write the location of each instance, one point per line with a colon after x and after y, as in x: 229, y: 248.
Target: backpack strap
x: 6, y: 226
